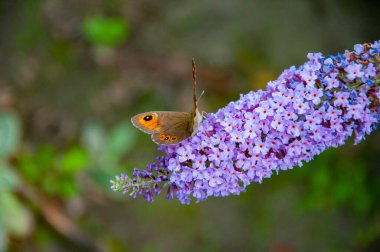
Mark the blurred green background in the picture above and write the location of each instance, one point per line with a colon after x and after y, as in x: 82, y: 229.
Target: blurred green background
x: 74, y: 71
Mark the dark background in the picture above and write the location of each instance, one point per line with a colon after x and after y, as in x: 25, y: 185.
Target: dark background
x: 72, y: 73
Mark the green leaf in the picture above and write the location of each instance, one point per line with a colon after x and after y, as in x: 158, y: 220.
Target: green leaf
x: 45, y: 157
x: 28, y: 168
x: 105, y: 149
x: 69, y: 189
x: 93, y: 139
x: 8, y: 179
x: 51, y: 185
x: 107, y: 31
x: 15, y: 217
x: 42, y: 162
x: 9, y: 133
x: 73, y: 160
x: 120, y: 140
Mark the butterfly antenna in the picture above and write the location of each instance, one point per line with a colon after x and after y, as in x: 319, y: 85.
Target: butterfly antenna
x: 194, y: 85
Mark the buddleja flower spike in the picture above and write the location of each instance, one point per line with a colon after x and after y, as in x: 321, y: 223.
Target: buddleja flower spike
x: 301, y: 114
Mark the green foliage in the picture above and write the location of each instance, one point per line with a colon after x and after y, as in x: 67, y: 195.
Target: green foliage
x: 53, y: 173
x: 10, y: 207
x: 334, y: 181
x: 106, y: 149
x: 73, y: 160
x: 33, y: 165
x: 9, y: 133
x: 8, y: 178
x: 106, y: 31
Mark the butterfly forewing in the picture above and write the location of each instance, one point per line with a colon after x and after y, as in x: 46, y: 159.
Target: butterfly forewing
x: 147, y: 122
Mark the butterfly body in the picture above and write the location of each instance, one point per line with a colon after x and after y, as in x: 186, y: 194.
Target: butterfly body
x: 169, y: 127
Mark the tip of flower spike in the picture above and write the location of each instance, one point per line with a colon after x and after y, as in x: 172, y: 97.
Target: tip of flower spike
x: 147, y: 183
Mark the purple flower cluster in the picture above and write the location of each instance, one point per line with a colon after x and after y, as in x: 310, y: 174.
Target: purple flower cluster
x: 304, y: 112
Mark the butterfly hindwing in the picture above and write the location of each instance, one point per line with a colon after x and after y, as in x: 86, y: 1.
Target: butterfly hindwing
x: 173, y: 135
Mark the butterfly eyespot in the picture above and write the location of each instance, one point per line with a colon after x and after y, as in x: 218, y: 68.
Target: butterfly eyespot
x: 148, y: 118
x: 162, y: 136
x: 173, y: 138
x: 166, y: 138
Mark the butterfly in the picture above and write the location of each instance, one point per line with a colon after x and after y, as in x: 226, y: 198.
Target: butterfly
x: 170, y: 127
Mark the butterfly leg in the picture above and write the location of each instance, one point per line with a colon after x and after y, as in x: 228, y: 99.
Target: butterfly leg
x: 204, y: 114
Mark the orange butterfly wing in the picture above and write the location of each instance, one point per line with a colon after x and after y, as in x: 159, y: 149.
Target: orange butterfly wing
x: 147, y: 122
